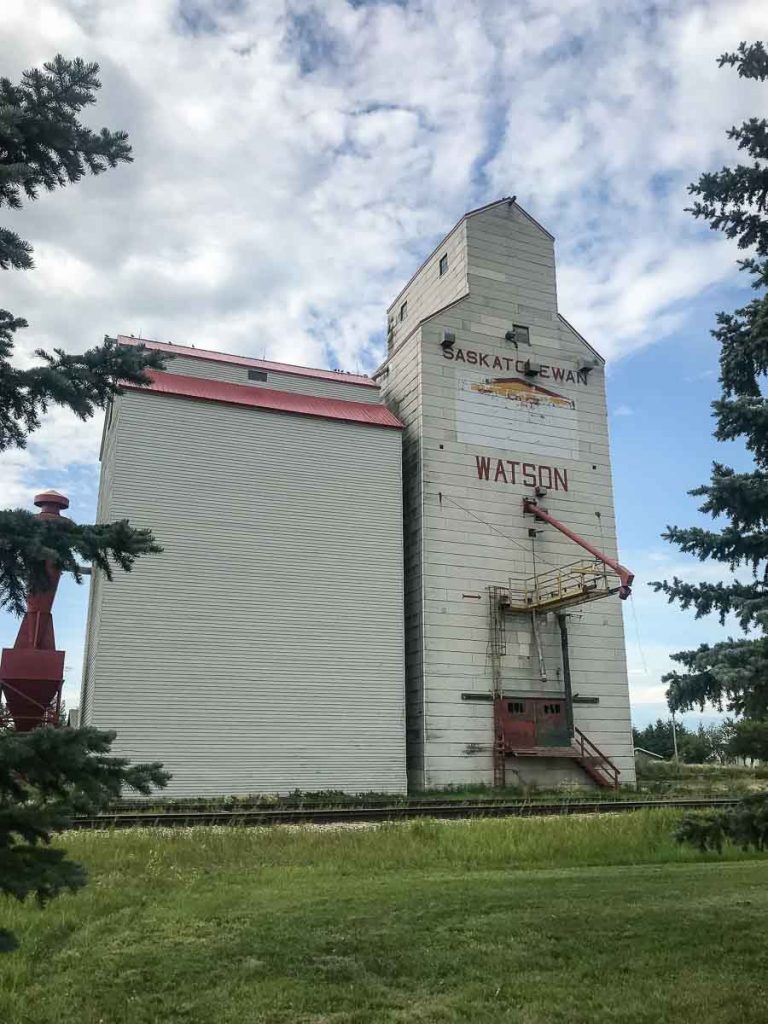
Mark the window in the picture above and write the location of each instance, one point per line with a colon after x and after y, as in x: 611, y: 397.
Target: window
x: 403, y: 311
x: 515, y: 707
x: 551, y: 709
x: 443, y: 264
x: 522, y: 335
x: 256, y: 375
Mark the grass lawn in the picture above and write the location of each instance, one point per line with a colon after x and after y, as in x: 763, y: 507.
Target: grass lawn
x: 575, y: 920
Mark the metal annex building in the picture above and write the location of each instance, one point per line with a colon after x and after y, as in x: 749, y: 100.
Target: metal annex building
x: 262, y: 650
x: 285, y: 638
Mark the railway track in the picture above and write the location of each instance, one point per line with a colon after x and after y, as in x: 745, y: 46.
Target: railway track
x: 337, y: 815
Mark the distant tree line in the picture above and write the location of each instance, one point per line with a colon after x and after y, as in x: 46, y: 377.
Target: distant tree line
x: 727, y: 743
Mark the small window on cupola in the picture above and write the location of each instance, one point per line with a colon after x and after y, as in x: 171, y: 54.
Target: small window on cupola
x: 443, y: 264
x: 403, y: 311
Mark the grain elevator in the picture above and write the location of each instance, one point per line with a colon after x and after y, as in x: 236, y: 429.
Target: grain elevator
x: 363, y: 577
x: 515, y: 659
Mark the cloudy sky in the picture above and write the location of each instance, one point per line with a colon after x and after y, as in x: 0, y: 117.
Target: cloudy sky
x: 295, y: 161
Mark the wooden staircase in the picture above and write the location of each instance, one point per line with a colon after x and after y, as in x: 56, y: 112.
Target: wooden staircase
x: 584, y: 752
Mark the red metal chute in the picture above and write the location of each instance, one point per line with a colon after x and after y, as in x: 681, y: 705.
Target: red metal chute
x: 626, y: 578
x: 32, y: 671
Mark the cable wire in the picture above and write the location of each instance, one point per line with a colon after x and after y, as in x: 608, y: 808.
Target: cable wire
x: 637, y: 635
x: 517, y: 544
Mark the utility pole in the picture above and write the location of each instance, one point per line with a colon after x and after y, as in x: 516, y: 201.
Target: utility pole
x: 674, y: 735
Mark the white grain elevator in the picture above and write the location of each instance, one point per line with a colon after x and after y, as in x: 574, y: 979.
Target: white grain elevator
x: 515, y: 658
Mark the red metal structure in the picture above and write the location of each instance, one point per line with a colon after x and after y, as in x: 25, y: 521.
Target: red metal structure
x: 626, y: 578
x: 32, y: 671
x: 528, y: 726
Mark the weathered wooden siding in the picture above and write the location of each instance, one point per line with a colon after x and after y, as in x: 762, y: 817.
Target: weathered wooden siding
x: 428, y: 290
x: 262, y: 651
x: 474, y: 534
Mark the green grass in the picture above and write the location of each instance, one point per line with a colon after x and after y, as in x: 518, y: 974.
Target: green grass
x: 547, y: 921
x: 655, y: 780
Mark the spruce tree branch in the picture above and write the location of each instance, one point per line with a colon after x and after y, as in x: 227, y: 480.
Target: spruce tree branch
x: 47, y: 777
x: 81, y: 382
x: 28, y: 542
x: 42, y: 142
x: 15, y: 254
x: 732, y: 546
x: 732, y: 674
x: 746, y: 601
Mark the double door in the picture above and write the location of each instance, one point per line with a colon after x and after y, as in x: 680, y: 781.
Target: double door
x: 534, y: 722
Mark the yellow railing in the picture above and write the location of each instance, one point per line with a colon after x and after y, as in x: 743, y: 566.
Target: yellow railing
x: 583, y: 579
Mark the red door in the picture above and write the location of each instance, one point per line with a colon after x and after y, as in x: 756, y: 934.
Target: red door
x: 518, y: 720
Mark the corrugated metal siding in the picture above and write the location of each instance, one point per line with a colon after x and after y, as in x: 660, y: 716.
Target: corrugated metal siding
x: 282, y: 381
x: 263, y: 650
x: 94, y: 595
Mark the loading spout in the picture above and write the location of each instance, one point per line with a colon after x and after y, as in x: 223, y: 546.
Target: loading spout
x: 626, y: 578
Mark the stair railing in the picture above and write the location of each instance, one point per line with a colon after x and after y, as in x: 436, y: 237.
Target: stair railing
x: 589, y: 751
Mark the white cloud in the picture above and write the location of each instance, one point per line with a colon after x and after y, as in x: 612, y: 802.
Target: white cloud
x: 295, y: 160
x: 623, y: 410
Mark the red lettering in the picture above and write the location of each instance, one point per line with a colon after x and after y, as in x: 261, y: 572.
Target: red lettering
x: 484, y: 467
x: 532, y: 475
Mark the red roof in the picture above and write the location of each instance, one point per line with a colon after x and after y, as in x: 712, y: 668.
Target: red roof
x: 259, y: 364
x: 256, y: 397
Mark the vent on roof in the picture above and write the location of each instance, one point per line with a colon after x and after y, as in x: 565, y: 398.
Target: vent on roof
x: 257, y: 375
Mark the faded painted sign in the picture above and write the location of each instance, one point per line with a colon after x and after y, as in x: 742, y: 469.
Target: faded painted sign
x: 513, y: 412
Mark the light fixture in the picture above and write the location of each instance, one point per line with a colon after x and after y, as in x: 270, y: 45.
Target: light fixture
x: 532, y: 367
x: 587, y: 364
x: 449, y: 340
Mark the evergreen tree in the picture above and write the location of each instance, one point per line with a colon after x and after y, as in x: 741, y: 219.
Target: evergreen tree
x: 43, y: 145
x: 657, y: 737
x: 734, y: 673
x: 49, y: 775
x: 749, y: 739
